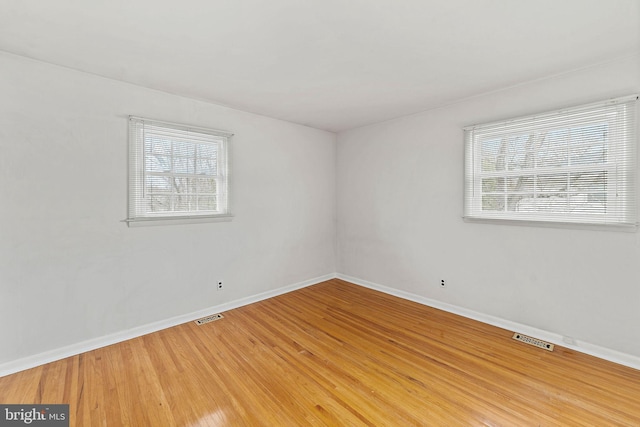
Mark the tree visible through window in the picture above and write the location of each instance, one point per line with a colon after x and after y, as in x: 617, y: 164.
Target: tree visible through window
x: 576, y: 165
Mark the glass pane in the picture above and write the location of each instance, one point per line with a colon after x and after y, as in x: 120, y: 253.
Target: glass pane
x: 183, y: 165
x: 207, y: 203
x: 206, y: 167
x: 596, y: 133
x: 492, y: 147
x: 207, y: 150
x: 521, y: 160
x: 552, y: 183
x: 588, y: 181
x: 492, y: 185
x: 159, y: 203
x: 520, y: 155
x: 520, y: 183
x: 586, y: 154
x: 492, y: 202
x: 157, y: 146
x: 588, y: 203
x: 589, y: 144
x: 521, y: 203
x: 157, y: 163
x: 158, y: 184
x: 489, y: 164
x: 552, y: 203
x: 206, y: 185
x: 185, y: 149
x: 181, y: 185
x: 184, y: 203
x: 553, y: 149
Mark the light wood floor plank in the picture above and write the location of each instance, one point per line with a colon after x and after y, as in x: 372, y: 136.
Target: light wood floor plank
x: 333, y: 354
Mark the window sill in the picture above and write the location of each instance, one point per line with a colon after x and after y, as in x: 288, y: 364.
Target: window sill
x: 176, y: 220
x: 551, y: 224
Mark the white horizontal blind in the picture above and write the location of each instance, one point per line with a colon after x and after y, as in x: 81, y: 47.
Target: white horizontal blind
x: 177, y: 171
x: 576, y: 165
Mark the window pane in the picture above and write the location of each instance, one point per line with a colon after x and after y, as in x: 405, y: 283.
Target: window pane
x: 158, y: 184
x: 184, y: 149
x: 520, y: 155
x: 553, y: 149
x: 157, y: 146
x: 492, y: 202
x: 183, y: 203
x: 181, y: 185
x: 206, y: 185
x: 206, y: 167
x: 489, y: 164
x: 183, y: 165
x: 492, y: 147
x: 521, y: 203
x: 492, y: 185
x: 520, y: 183
x: 553, y: 203
x: 207, y: 150
x: 588, y: 181
x: 588, y: 154
x: 493, y: 155
x: 157, y: 163
x: 521, y: 160
x: 207, y: 203
x: 159, y: 203
x: 589, y: 144
x: 588, y: 203
x: 552, y: 183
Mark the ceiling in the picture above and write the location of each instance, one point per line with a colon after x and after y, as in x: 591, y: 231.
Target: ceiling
x: 329, y: 64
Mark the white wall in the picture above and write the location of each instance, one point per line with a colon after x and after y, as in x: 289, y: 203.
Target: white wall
x: 399, y: 204
x: 71, y: 271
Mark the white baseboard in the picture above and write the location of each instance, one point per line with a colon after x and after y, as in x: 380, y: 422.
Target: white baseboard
x: 581, y: 346
x: 92, y: 344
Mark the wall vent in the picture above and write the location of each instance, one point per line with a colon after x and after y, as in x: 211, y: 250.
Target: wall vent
x: 208, y: 319
x: 532, y: 341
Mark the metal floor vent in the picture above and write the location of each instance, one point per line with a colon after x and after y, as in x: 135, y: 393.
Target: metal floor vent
x: 208, y: 319
x: 533, y: 341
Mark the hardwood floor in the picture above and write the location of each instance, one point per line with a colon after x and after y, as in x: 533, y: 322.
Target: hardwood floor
x: 333, y: 354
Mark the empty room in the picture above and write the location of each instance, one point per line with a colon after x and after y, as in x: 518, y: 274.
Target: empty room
x: 319, y: 213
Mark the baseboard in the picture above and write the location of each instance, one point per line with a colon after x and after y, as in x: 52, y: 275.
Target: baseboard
x: 92, y: 344
x: 581, y: 346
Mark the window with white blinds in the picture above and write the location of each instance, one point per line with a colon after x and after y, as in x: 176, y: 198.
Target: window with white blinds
x: 576, y: 165
x: 177, y: 172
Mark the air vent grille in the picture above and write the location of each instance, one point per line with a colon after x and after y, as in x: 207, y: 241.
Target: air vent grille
x: 208, y: 319
x: 533, y: 341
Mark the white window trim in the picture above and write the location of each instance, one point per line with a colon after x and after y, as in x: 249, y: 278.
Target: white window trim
x: 138, y: 217
x: 628, y: 178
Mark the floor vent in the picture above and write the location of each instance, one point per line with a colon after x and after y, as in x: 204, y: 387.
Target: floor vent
x: 533, y: 341
x: 209, y: 319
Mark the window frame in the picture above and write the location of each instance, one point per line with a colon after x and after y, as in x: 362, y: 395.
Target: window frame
x: 142, y: 128
x: 619, y: 118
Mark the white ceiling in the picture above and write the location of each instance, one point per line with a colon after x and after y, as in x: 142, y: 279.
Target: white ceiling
x: 329, y: 64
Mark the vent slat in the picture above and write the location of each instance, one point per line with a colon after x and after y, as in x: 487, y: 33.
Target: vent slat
x: 208, y: 319
x: 533, y: 341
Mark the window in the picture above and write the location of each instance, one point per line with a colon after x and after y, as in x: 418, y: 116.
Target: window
x: 570, y: 166
x: 177, y: 172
